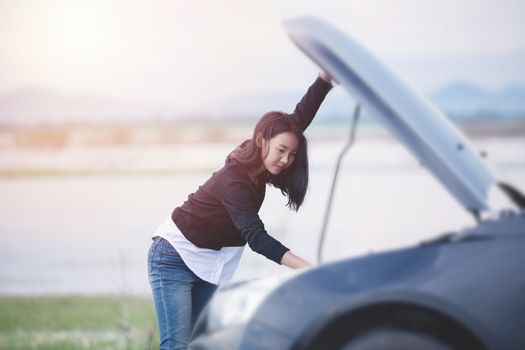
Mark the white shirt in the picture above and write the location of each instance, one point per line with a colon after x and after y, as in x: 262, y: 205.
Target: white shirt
x: 214, y: 266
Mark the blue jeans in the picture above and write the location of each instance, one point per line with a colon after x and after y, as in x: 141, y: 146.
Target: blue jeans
x: 178, y: 294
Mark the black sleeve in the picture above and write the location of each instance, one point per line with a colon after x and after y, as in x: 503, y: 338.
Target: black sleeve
x: 237, y: 201
x: 307, y: 108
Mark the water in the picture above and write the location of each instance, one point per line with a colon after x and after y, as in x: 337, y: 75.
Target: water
x: 90, y: 234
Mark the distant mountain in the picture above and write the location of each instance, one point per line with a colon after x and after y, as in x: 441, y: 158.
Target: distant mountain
x: 462, y: 99
x: 35, y: 105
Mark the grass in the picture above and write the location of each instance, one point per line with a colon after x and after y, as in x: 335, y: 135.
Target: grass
x: 77, y: 322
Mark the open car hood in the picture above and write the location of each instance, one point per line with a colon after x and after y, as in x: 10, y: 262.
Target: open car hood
x: 409, y: 116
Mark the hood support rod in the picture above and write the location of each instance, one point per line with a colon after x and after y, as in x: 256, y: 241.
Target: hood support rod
x: 349, y: 143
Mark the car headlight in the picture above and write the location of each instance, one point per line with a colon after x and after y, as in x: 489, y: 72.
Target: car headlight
x: 235, y: 303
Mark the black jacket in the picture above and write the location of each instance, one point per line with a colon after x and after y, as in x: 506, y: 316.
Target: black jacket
x: 224, y: 210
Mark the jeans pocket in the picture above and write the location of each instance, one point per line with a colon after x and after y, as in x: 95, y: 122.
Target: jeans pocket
x: 170, y: 255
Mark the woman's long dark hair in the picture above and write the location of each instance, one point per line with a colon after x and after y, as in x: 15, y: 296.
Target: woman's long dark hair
x: 292, y: 181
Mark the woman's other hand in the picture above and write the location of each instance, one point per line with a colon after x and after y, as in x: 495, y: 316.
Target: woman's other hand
x: 293, y: 261
x: 325, y: 76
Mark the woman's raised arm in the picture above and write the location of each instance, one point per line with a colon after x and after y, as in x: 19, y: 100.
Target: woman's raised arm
x: 307, y: 108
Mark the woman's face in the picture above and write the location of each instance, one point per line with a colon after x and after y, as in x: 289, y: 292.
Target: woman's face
x: 279, y: 152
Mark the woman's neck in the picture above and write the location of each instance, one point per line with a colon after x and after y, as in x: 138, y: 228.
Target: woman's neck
x: 254, y: 175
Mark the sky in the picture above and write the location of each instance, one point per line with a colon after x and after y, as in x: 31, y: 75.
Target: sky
x: 188, y: 53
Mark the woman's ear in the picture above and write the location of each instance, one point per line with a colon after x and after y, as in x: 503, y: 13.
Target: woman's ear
x: 259, y: 139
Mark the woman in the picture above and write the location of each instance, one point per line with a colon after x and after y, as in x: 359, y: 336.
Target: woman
x: 199, y: 245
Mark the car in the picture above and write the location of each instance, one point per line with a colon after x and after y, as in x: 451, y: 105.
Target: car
x: 461, y: 290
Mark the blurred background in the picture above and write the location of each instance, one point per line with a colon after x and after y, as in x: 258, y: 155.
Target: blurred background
x: 112, y: 112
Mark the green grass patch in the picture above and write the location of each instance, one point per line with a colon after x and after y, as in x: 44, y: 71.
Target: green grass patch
x: 77, y: 322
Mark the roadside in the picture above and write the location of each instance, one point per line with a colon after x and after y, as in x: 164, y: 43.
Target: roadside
x: 77, y: 322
